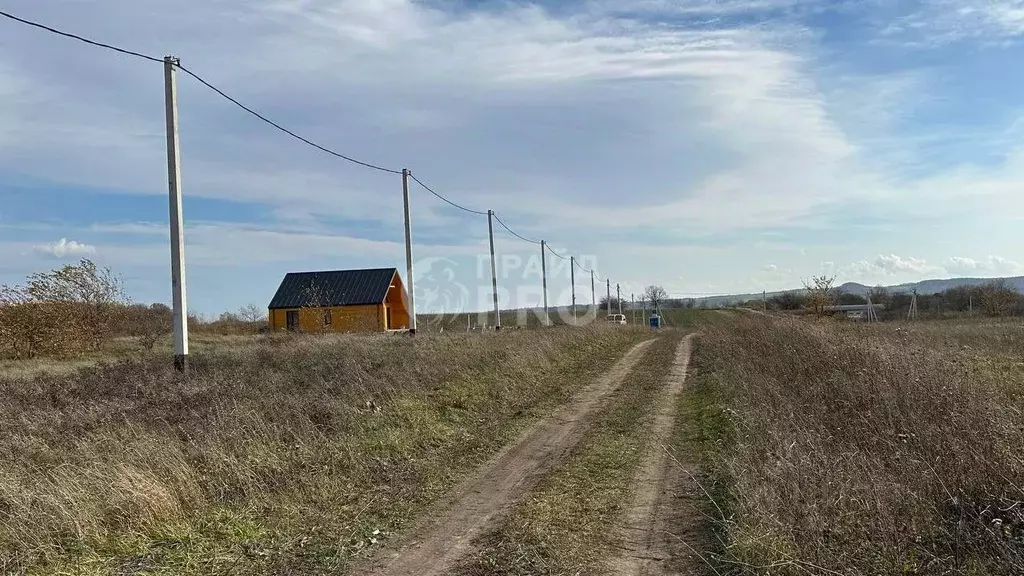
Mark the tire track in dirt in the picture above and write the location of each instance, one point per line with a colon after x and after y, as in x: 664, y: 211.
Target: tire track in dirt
x: 659, y: 520
x: 445, y: 535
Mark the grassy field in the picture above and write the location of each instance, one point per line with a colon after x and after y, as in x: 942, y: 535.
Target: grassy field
x: 274, y: 456
x: 863, y: 449
x: 823, y: 447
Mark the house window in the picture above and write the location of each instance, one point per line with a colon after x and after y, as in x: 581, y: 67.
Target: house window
x: 327, y: 317
x: 292, y: 320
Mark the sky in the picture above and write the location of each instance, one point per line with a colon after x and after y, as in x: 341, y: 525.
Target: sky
x: 708, y: 147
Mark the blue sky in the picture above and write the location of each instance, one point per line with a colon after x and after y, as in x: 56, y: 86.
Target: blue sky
x: 709, y: 147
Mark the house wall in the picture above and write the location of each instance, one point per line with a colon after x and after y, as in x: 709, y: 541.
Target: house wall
x: 396, y: 301
x: 367, y: 318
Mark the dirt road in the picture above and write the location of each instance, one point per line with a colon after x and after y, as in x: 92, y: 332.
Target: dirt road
x: 660, y: 520
x: 445, y: 534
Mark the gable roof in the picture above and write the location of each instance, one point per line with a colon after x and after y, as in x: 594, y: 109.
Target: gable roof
x: 333, y: 288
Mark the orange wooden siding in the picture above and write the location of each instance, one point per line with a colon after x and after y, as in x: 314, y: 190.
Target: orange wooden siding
x: 365, y: 318
x: 396, y: 300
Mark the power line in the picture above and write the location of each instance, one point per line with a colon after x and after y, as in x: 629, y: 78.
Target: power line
x: 282, y: 128
x: 272, y: 123
x: 580, y: 266
x: 510, y: 231
x: 201, y: 81
x: 427, y: 188
x: 79, y: 38
x: 553, y: 253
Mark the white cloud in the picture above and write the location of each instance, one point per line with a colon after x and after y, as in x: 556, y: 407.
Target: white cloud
x: 887, y: 265
x: 770, y: 268
x: 987, y: 266
x: 493, y: 107
x: 64, y: 248
x: 576, y: 125
x: 938, y: 22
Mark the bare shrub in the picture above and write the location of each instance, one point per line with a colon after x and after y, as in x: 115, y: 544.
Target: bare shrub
x: 820, y: 293
x: 998, y: 298
x: 64, y: 312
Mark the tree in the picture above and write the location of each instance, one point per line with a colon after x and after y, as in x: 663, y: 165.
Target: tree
x: 602, y: 304
x: 848, y: 298
x: 879, y: 295
x: 252, y: 313
x: 655, y: 296
x: 84, y: 283
x: 819, y: 293
x: 790, y: 300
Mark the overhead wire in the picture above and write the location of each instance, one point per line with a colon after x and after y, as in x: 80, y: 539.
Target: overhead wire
x: 512, y: 232
x: 553, y: 253
x: 429, y: 189
x: 80, y: 38
x: 201, y: 81
x: 282, y: 128
x: 276, y: 125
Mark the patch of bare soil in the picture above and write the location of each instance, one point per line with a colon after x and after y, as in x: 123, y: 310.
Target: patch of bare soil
x: 661, y: 527
x: 445, y: 535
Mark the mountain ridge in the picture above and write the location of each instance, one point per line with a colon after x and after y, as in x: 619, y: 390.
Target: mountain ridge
x: 929, y: 286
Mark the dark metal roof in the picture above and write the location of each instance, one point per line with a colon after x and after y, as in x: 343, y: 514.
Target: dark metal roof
x: 333, y: 288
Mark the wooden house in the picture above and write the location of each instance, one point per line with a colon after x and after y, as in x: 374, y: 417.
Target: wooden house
x: 341, y: 301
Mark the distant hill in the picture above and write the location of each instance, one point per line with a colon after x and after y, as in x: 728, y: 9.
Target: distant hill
x: 923, y: 287
x: 933, y: 286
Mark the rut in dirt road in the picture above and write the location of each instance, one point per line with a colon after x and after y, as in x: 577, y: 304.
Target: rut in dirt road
x: 446, y: 534
x: 659, y: 524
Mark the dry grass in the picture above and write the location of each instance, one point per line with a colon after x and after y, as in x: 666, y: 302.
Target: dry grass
x: 863, y: 450
x: 290, y: 455
x: 567, y: 524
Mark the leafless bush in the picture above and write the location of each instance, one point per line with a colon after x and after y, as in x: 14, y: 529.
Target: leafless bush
x: 869, y: 450
x: 820, y: 293
x: 62, y: 313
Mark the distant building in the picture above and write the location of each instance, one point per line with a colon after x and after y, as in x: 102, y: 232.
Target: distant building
x: 853, y: 311
x: 372, y: 300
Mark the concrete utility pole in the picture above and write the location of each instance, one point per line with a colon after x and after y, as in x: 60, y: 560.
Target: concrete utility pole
x: 593, y: 294
x: 408, y: 253
x: 572, y: 281
x: 544, y: 280
x: 608, y: 286
x: 632, y: 306
x: 494, y: 272
x: 180, y: 304
x: 764, y: 301
x: 618, y: 297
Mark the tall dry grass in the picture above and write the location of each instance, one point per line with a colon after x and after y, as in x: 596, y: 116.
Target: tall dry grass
x: 284, y: 456
x: 865, y: 450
